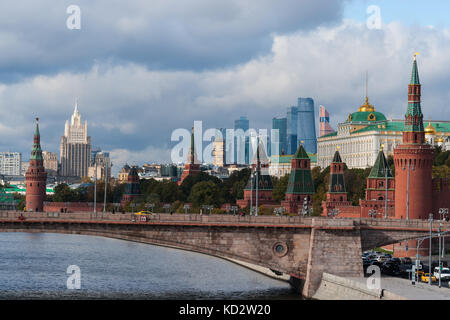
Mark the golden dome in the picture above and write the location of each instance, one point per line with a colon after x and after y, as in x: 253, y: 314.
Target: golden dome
x: 366, y: 107
x: 441, y: 139
x: 430, y: 129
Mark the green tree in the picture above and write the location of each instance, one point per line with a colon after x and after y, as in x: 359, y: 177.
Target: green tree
x: 280, y: 187
x: 204, y: 192
x: 63, y: 193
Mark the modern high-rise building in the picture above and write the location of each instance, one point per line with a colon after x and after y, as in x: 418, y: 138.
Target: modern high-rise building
x: 75, y: 149
x: 291, y: 130
x: 280, y: 124
x: 100, y: 164
x: 10, y: 163
x: 50, y: 162
x: 306, y: 128
x: 241, y: 155
x: 324, y: 122
x: 219, y: 152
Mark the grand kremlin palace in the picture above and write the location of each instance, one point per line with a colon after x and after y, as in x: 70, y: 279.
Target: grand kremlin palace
x: 360, y: 136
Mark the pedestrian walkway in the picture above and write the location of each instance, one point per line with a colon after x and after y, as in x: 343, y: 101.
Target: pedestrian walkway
x: 419, y: 291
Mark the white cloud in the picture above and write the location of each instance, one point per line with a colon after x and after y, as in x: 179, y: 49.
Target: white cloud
x: 132, y: 107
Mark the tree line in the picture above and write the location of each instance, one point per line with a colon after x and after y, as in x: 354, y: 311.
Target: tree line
x: 204, y: 189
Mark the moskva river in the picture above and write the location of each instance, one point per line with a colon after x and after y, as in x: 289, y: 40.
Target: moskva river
x: 36, y: 266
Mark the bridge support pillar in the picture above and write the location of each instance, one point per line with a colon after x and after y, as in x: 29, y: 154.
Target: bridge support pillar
x: 335, y: 247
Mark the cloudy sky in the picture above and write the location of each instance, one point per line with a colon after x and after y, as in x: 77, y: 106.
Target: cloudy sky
x: 142, y: 68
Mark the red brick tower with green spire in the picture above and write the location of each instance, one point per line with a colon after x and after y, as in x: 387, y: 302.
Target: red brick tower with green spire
x: 36, y: 177
x: 191, y: 168
x: 300, y: 185
x: 413, y: 160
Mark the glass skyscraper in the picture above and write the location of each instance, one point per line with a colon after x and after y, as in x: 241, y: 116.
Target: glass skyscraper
x: 280, y: 125
x: 291, y: 130
x: 306, y: 128
x: 241, y: 156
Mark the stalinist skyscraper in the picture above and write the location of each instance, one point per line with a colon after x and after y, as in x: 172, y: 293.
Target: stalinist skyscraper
x: 75, y: 149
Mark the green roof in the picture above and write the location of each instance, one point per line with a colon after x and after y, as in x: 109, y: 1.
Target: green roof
x: 399, y: 125
x: 337, y: 157
x: 332, y: 134
x: 300, y: 182
x: 287, y: 158
x: 301, y: 153
x: 380, y: 167
x: 366, y: 116
x: 264, y: 182
x: 415, y: 73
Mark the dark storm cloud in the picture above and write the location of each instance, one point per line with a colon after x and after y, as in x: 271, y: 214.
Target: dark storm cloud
x: 160, y: 34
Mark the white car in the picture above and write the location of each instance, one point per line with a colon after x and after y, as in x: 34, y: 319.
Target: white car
x: 445, y: 273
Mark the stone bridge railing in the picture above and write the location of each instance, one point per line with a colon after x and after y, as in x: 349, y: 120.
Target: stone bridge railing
x: 319, y: 222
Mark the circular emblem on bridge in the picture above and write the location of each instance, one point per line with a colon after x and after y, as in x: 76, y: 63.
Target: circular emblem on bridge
x: 280, y: 249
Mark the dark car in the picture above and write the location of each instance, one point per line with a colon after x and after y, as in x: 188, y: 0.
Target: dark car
x: 406, y: 260
x: 391, y: 269
x: 395, y: 260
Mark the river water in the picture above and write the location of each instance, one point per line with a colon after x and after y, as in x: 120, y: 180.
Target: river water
x: 34, y: 266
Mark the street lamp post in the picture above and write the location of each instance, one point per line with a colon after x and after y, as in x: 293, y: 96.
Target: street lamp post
x: 439, y: 252
x: 429, y: 254
x: 256, y: 212
x: 95, y: 190
x: 106, y: 184
x: 443, y: 212
x: 251, y: 192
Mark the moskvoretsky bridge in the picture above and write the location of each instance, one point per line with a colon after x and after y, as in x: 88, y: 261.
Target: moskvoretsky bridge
x: 303, y: 247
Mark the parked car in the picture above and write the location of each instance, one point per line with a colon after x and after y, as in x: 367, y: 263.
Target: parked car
x: 395, y: 260
x: 425, y: 277
x: 445, y: 274
x: 382, y: 259
x: 406, y: 260
x: 387, y: 255
x: 390, y: 268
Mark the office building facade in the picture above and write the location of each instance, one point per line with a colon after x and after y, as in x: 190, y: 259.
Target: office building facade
x: 10, y: 163
x: 75, y: 148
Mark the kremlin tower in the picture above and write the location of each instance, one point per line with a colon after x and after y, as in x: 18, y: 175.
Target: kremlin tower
x: 259, y: 188
x: 36, y: 177
x: 300, y: 185
x: 413, y: 160
x: 132, y: 188
x: 191, y: 168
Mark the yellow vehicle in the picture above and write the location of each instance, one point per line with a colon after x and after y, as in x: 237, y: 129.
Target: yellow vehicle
x: 144, y: 213
x: 144, y: 216
x: 425, y: 276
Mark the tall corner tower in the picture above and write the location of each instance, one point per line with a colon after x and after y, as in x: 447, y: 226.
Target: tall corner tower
x: 413, y: 160
x: 192, y: 167
x: 36, y: 176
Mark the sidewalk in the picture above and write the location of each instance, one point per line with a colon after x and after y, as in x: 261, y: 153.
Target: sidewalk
x: 419, y: 291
